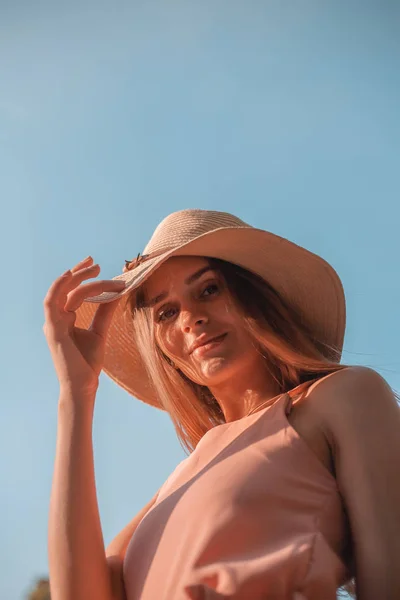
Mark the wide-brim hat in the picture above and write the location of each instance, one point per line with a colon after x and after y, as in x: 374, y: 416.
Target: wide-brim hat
x: 306, y: 281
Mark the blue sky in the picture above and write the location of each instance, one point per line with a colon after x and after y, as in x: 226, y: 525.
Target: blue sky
x: 113, y: 115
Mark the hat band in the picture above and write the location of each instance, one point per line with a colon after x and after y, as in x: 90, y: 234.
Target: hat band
x: 141, y: 258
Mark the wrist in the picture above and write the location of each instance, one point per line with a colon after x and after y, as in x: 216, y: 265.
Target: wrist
x: 76, y: 400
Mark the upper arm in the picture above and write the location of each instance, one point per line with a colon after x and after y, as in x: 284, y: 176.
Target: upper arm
x: 362, y: 420
x: 115, y: 551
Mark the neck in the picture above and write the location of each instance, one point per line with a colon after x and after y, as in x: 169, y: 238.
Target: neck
x: 239, y: 396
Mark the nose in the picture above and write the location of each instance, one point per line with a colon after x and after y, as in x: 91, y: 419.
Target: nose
x: 193, y: 316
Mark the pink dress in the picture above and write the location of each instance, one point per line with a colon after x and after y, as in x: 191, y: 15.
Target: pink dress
x: 251, y: 514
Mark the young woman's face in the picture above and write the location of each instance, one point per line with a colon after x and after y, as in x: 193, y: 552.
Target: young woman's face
x: 190, y: 305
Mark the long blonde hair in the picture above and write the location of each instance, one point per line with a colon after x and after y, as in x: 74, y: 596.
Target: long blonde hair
x: 294, y: 356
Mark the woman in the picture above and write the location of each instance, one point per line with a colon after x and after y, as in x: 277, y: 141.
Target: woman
x: 291, y: 484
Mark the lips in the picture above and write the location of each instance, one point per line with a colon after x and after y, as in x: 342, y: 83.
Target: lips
x: 200, y: 344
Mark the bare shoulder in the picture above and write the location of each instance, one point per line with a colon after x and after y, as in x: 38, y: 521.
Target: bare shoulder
x: 351, y: 396
x: 341, y: 409
x: 359, y: 412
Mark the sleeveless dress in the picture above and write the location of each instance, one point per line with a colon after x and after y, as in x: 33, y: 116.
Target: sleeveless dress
x: 251, y: 514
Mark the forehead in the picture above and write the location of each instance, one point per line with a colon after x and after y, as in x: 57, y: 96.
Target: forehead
x: 173, y: 272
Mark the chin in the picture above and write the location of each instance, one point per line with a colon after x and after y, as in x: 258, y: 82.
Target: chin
x: 217, y: 371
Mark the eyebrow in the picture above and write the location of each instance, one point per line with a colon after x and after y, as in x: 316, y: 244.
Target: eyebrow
x: 188, y: 281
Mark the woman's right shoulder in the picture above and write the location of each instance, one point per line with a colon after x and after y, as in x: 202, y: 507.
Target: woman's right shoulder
x: 119, y: 544
x: 116, y: 550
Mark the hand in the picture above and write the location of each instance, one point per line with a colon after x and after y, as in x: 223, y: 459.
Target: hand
x: 78, y: 354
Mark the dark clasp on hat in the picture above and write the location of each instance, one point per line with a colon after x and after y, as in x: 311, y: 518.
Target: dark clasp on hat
x: 131, y: 264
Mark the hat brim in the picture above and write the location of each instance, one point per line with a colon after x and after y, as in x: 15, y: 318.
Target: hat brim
x: 305, y: 280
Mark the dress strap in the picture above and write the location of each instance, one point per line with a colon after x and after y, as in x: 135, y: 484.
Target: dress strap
x: 287, y: 403
x: 296, y: 394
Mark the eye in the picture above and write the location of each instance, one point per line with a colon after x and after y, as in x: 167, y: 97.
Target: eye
x: 211, y: 288
x: 166, y: 314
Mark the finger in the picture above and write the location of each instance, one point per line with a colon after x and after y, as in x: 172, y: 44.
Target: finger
x: 79, y: 295
x: 59, y: 297
x: 68, y: 281
x: 83, y: 263
x: 103, y: 317
x: 80, y: 275
x: 51, y: 308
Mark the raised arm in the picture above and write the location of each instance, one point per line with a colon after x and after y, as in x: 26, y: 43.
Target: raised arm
x: 77, y: 560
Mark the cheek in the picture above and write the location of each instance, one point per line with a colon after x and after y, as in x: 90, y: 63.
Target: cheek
x: 170, y: 341
x: 224, y: 309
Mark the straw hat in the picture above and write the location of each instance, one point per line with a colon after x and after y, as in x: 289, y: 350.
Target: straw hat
x: 305, y: 280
